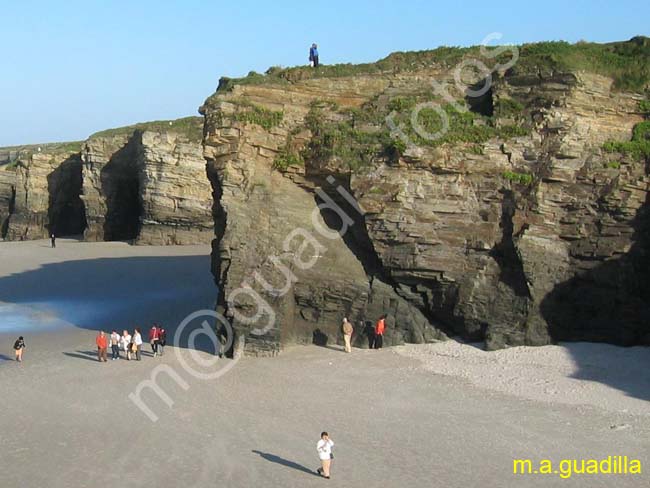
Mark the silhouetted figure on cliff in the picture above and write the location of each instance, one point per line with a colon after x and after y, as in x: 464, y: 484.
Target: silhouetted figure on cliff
x: 313, y: 55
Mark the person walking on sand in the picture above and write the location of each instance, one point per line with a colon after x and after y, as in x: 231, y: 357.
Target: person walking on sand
x: 115, y: 345
x: 53, y: 240
x: 102, y: 344
x: 347, y: 334
x: 126, y: 343
x: 137, y: 343
x: 324, y: 449
x: 379, y: 332
x: 313, y: 55
x: 19, y: 347
x: 153, y: 339
x: 162, y: 339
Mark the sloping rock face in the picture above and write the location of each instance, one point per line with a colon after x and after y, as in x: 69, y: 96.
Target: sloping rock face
x: 525, y: 237
x: 46, y: 198
x: 148, y: 187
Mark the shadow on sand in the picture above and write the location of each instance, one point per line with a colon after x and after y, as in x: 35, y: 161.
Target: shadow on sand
x: 117, y: 294
x: 285, y: 462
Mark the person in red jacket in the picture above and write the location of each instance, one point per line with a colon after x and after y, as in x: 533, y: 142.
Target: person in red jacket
x: 154, y: 337
x: 102, y: 345
x: 380, y: 327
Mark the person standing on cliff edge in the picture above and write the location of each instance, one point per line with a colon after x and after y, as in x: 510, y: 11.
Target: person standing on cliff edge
x: 313, y: 55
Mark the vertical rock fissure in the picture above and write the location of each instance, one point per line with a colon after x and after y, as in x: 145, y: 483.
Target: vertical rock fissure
x: 4, y: 227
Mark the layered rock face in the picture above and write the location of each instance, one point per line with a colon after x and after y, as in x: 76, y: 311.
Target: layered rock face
x: 523, y: 237
x: 46, y: 196
x: 146, y: 186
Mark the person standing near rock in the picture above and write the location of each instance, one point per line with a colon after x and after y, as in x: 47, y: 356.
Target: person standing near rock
x: 137, y: 343
x: 324, y: 449
x: 347, y: 334
x: 313, y: 55
x: 19, y: 347
x: 53, y: 240
x: 380, y: 327
x: 102, y: 344
x: 126, y: 343
x: 115, y: 345
x: 369, y: 331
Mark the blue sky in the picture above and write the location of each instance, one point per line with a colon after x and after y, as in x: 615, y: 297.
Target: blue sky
x: 71, y: 68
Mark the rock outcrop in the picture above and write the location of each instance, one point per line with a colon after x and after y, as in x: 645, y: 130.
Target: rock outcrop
x: 492, y: 234
x: 145, y: 184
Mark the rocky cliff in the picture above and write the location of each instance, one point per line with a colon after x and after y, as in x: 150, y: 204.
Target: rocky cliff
x: 524, y: 223
x: 145, y: 184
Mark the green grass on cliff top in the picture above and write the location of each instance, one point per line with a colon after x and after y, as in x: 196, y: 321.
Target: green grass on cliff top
x: 627, y: 63
x: 190, y: 127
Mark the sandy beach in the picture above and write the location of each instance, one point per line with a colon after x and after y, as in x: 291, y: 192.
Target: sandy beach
x: 444, y: 414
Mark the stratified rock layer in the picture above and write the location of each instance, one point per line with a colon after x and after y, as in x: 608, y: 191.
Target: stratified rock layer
x: 447, y: 239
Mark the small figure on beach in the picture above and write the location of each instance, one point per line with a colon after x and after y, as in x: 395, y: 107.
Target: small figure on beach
x: 324, y: 449
x: 379, y: 332
x: 127, y: 345
x: 53, y: 240
x: 115, y: 345
x: 19, y: 347
x: 162, y: 339
x: 347, y: 334
x: 137, y: 343
x: 102, y: 345
x: 313, y: 55
x: 153, y: 339
x: 369, y: 331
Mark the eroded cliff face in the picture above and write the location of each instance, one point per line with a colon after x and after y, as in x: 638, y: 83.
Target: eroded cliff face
x: 528, y: 235
x: 46, y: 199
x: 145, y: 184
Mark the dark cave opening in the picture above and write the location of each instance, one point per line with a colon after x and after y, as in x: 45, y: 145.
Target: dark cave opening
x: 66, y: 211
x: 120, y: 183
x: 482, y: 104
x: 4, y: 225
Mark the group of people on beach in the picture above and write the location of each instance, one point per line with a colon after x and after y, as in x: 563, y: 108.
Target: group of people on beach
x: 375, y: 334
x: 130, y: 344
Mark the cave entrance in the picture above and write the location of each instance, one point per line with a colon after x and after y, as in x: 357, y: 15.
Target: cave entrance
x: 120, y: 180
x: 4, y: 225
x: 66, y: 211
x: 483, y: 104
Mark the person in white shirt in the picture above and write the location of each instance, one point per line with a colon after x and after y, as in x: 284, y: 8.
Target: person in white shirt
x: 137, y: 340
x: 324, y: 449
x: 125, y: 342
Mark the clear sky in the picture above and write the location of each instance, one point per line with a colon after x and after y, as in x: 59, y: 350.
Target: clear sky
x: 70, y: 68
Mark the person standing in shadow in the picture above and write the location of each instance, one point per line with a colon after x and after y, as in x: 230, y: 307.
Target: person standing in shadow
x: 369, y: 331
x: 53, y: 240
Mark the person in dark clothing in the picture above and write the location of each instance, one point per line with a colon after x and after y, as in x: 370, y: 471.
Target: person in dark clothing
x: 369, y: 330
x: 53, y: 239
x: 313, y: 55
x: 162, y: 339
